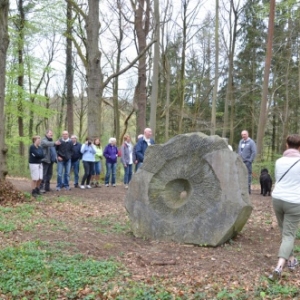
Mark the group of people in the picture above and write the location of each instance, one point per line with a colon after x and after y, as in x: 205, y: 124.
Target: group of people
x: 68, y: 152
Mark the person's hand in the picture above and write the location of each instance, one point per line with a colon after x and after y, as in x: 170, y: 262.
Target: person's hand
x: 57, y: 142
x: 135, y: 161
x: 59, y: 158
x: 125, y: 166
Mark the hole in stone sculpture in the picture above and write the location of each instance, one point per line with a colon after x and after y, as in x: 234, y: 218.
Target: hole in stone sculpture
x: 177, y: 193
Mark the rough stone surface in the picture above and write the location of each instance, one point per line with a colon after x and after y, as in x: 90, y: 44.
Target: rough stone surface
x: 192, y: 189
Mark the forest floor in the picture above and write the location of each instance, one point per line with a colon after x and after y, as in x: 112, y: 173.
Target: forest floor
x: 95, y: 224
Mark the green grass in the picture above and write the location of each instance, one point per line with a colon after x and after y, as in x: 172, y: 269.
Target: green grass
x: 276, y: 290
x: 109, y: 224
x: 33, y: 273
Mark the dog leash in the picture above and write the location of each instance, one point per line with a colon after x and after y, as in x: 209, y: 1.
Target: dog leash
x: 288, y: 170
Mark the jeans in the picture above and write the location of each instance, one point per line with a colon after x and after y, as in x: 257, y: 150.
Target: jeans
x: 288, y: 218
x: 88, y: 170
x: 75, y: 168
x: 63, y: 179
x: 127, y: 173
x: 97, y: 168
x: 138, y: 165
x: 47, y: 175
x: 110, y: 169
x: 249, y: 168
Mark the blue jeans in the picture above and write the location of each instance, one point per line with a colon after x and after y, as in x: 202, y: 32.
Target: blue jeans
x: 110, y: 169
x: 97, y: 168
x: 249, y: 168
x: 127, y: 173
x: 63, y: 167
x: 75, y: 167
x: 138, y: 165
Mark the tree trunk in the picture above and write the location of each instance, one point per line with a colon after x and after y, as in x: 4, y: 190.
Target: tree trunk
x: 4, y: 38
x: 263, y: 107
x: 155, y: 76
x: 215, y: 91
x: 141, y: 25
x: 21, y: 76
x: 229, y: 88
x: 69, y: 71
x: 182, y: 67
x: 116, y: 79
x: 94, y: 74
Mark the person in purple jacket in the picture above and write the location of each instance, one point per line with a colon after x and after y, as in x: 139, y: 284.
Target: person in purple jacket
x: 111, y: 155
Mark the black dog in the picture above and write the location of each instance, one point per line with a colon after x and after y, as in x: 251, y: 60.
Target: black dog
x: 265, y: 182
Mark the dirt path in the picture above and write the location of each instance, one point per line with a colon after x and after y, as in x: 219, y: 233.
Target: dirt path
x: 97, y: 225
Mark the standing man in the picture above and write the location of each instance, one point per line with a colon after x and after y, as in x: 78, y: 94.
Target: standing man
x: 142, y: 145
x: 48, y: 147
x: 247, y: 151
x: 75, y: 159
x: 64, y: 153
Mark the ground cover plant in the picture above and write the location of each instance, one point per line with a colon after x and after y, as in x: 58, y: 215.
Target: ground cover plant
x: 77, y: 245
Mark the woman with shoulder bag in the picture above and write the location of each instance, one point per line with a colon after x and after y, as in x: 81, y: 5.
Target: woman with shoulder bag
x: 286, y: 203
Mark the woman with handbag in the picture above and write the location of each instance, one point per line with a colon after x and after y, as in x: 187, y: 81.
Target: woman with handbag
x: 286, y: 203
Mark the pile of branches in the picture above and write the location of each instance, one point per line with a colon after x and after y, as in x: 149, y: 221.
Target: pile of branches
x: 9, y: 194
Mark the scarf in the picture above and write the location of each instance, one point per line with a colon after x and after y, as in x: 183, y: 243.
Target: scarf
x: 291, y: 153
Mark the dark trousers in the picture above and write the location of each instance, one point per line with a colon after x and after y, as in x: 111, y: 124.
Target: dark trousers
x: 47, y: 175
x: 88, y: 171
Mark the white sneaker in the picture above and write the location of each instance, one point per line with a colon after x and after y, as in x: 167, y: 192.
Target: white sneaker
x: 82, y: 187
x: 107, y: 185
x: 126, y: 186
x: 114, y: 185
x: 88, y: 187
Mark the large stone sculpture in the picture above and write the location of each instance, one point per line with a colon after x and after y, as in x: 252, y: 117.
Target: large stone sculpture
x: 192, y: 189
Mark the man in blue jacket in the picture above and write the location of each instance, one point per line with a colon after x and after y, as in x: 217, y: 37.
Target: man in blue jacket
x: 75, y: 159
x: 247, y: 151
x: 142, y: 145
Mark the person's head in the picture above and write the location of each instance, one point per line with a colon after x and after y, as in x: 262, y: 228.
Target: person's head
x: 245, y: 135
x: 147, y: 133
x: 49, y: 134
x: 97, y: 142
x: 293, y: 141
x: 112, y: 141
x: 74, y: 138
x: 65, y: 135
x: 89, y: 140
x: 36, y: 140
x: 127, y: 138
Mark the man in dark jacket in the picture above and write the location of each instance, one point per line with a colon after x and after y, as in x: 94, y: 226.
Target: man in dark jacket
x: 64, y: 154
x: 142, y: 145
x: 75, y: 159
x: 48, y: 147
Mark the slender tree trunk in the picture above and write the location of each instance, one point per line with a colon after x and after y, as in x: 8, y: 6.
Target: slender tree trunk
x: 116, y: 79
x: 182, y: 68
x: 263, y: 107
x: 229, y: 88
x: 215, y: 91
x: 69, y: 71
x: 4, y: 38
x: 155, y: 77
x: 21, y: 76
x: 94, y: 75
x: 286, y: 111
x: 142, y: 22
x: 167, y: 123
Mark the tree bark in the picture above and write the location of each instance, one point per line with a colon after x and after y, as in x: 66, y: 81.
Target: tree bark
x: 20, y: 29
x: 215, y: 91
x: 69, y: 71
x: 141, y: 24
x: 263, y: 107
x: 155, y: 76
x: 4, y: 38
x: 94, y: 74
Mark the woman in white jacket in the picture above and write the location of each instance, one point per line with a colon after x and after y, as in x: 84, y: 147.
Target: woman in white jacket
x: 286, y: 203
